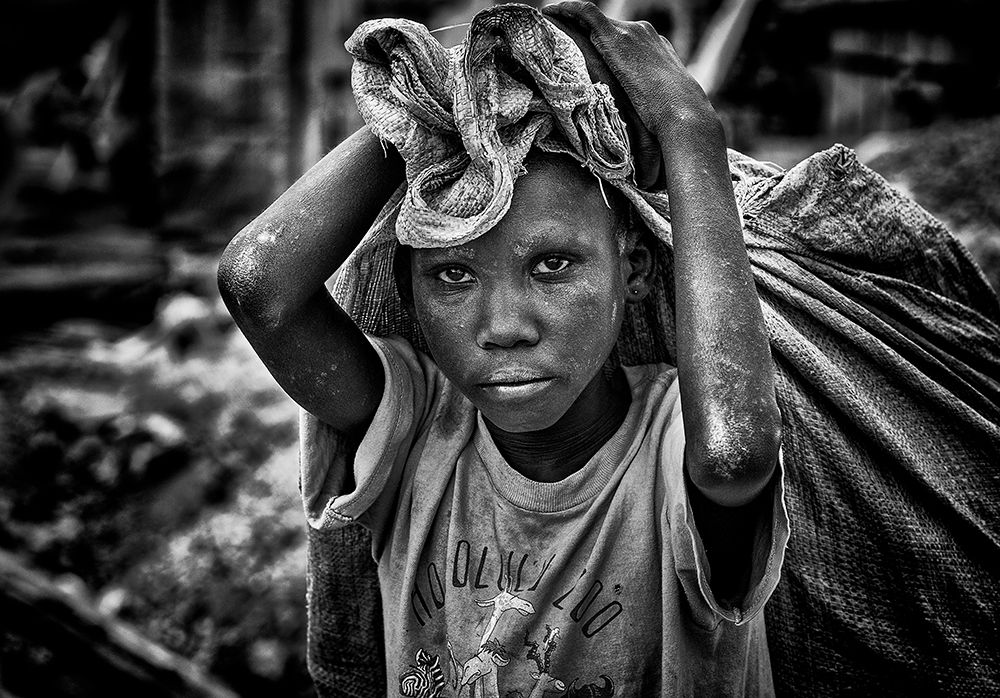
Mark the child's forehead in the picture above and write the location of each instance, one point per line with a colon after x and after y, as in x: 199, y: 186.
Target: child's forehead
x: 556, y: 203
x: 519, y: 240
x: 557, y: 170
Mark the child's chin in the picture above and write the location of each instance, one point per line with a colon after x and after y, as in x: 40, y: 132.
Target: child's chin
x: 518, y: 422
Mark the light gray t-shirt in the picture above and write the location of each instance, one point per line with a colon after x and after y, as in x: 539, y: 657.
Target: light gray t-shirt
x: 495, y: 585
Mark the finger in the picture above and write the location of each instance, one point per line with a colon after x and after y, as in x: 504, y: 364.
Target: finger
x: 585, y: 14
x: 645, y: 149
x: 598, y: 69
x: 671, y: 51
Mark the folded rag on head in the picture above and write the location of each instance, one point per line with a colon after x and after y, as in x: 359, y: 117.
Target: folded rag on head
x: 465, y: 118
x: 884, y: 333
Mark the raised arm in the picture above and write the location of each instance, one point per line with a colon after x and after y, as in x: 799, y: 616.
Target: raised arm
x: 272, y: 277
x: 732, y: 426
x: 732, y: 423
x: 731, y: 420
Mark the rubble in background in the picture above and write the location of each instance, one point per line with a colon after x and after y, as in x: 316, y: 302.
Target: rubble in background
x: 154, y: 476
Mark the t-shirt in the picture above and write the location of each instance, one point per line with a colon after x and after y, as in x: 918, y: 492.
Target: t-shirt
x: 496, y: 585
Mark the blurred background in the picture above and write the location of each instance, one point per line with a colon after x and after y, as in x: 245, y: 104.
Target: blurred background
x: 151, y: 537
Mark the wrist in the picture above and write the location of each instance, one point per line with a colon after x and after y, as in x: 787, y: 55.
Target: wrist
x: 693, y: 122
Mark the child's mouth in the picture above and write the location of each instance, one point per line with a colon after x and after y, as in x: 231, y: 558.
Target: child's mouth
x: 515, y: 384
x: 518, y: 390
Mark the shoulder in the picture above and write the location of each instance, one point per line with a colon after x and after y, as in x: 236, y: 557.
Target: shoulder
x: 659, y: 425
x: 404, y: 362
x: 655, y: 387
x: 413, y: 378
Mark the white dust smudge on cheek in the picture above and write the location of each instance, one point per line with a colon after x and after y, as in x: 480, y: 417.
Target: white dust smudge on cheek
x: 592, y: 311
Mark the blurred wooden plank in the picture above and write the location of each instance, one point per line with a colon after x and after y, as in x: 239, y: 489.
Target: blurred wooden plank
x: 68, y: 278
x: 107, y: 241
x: 88, y: 649
x: 107, y: 272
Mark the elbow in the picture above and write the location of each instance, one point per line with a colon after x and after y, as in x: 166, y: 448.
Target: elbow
x: 735, y: 465
x: 246, y: 290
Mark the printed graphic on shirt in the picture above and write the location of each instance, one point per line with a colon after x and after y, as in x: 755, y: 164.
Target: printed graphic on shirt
x: 592, y: 690
x: 478, y: 675
x: 542, y: 656
x: 479, y: 671
x: 424, y: 679
x: 590, y: 604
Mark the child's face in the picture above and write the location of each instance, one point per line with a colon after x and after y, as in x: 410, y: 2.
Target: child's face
x: 523, y: 318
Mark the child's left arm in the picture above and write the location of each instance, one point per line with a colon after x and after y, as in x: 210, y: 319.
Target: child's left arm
x: 732, y: 425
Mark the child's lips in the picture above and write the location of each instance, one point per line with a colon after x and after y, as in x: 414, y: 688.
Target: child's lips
x: 518, y: 383
x: 516, y: 389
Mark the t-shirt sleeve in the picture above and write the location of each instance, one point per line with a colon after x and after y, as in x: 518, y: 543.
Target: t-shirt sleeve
x: 412, y: 384
x: 690, y: 559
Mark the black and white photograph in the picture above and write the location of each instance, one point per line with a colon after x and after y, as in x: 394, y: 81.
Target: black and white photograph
x: 475, y: 349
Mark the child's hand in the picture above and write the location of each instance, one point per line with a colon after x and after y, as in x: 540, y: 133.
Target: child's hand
x: 645, y: 148
x: 631, y: 58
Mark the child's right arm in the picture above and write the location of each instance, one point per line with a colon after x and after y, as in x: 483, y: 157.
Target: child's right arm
x: 272, y: 277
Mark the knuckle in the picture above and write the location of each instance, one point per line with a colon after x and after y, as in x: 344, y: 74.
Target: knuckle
x: 620, y: 29
x: 593, y: 14
x: 576, y: 6
x: 566, y: 6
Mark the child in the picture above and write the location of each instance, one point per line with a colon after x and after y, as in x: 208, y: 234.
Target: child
x: 542, y: 520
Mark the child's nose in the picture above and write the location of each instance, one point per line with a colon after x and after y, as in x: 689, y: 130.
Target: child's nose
x: 506, y: 321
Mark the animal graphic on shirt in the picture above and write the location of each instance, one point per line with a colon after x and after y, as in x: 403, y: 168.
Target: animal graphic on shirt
x: 591, y: 690
x: 478, y: 672
x: 501, y: 603
x: 423, y: 679
x: 542, y: 656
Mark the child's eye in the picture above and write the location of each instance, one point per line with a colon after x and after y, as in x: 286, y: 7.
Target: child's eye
x: 454, y: 275
x: 551, y: 265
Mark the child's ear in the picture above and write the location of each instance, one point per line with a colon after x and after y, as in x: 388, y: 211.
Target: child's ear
x: 641, y: 265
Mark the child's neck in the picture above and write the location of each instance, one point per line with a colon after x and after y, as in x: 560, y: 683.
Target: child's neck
x: 558, y: 451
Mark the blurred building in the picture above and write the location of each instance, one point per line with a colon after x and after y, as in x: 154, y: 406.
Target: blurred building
x: 195, y: 115
x: 251, y: 94
x: 845, y: 68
